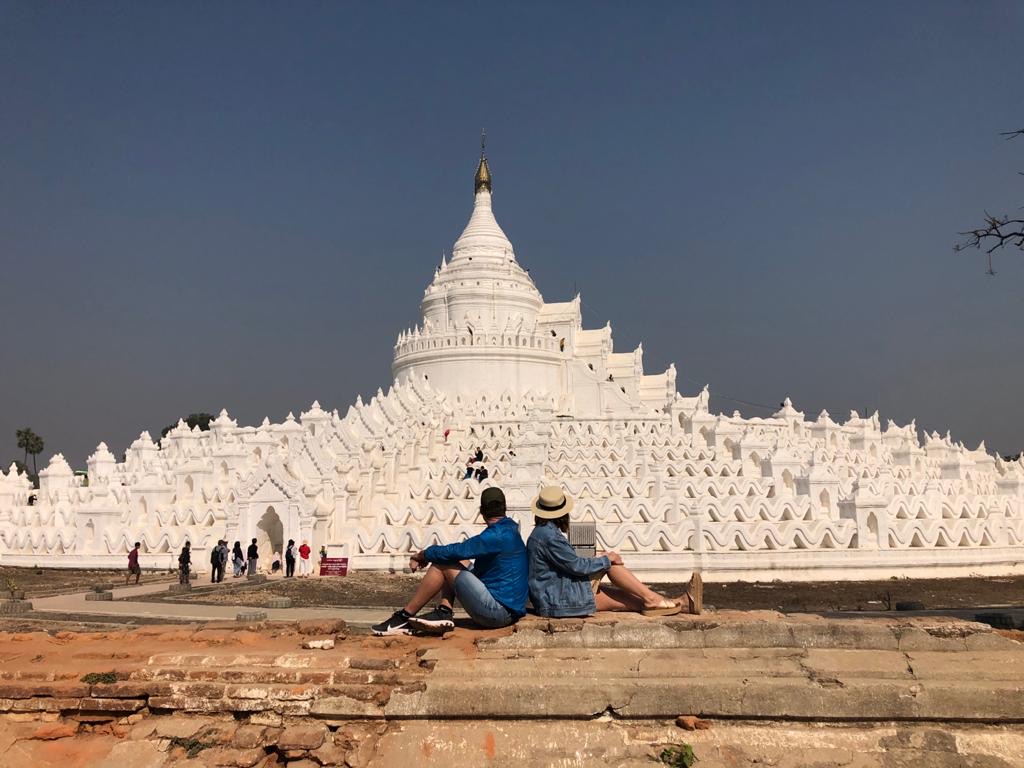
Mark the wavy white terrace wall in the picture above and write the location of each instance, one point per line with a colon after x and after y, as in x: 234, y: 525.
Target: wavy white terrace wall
x: 669, y: 484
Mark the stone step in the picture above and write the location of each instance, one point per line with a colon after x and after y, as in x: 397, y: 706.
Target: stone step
x: 776, y: 632
x: 605, y: 743
x: 685, y: 665
x: 264, y: 676
x: 302, y: 660
x: 744, y: 698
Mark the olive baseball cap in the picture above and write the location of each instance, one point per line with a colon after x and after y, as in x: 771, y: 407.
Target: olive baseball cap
x: 492, y: 502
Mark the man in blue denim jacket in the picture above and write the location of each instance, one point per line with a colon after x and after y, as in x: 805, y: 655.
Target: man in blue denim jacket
x: 493, y: 592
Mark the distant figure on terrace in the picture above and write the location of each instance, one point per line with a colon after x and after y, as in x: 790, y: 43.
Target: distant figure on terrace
x: 481, y: 473
x: 275, y: 562
x: 563, y: 584
x: 224, y: 555
x: 493, y: 592
x: 479, y: 455
x: 289, y: 559
x: 184, y: 563
x: 134, y: 569
x: 238, y: 559
x: 253, y: 555
x: 215, y: 563
x: 469, y: 471
x: 305, y: 566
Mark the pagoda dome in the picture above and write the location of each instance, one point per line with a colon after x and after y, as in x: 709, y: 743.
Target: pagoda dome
x: 481, y: 308
x: 483, y: 284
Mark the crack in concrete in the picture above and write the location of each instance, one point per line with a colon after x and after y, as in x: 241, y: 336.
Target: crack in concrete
x: 815, y: 677
x: 910, y: 666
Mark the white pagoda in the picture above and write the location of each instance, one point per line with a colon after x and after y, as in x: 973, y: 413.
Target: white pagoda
x: 669, y: 484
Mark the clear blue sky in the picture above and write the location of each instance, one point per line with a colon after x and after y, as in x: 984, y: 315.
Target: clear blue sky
x: 208, y: 205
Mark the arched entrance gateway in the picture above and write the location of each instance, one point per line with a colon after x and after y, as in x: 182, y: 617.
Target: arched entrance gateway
x: 270, y: 534
x: 273, y: 509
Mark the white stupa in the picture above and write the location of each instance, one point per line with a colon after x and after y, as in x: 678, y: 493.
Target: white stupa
x: 667, y: 483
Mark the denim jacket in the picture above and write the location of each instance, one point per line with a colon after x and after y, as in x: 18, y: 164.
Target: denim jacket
x: 559, y: 578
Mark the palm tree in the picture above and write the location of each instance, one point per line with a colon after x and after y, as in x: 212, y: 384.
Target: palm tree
x: 25, y: 440
x: 35, y: 448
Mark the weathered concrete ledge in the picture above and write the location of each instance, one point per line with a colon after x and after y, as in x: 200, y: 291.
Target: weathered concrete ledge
x: 205, y: 741
x: 760, y: 629
x: 730, y: 666
x: 604, y: 691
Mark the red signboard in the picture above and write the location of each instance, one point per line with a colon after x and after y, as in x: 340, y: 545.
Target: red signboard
x: 334, y: 566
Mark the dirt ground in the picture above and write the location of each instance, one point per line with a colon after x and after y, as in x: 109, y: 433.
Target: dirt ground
x: 41, y: 582
x: 380, y: 589
x: 372, y: 589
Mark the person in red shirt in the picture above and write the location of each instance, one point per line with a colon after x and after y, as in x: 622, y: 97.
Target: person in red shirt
x: 133, y: 564
x: 305, y: 566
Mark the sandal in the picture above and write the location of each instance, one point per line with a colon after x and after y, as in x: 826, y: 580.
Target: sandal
x: 664, y: 608
x: 695, y: 594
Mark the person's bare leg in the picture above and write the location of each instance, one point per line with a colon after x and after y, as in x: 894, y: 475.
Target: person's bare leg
x: 430, y: 585
x: 437, y: 579
x: 611, y: 598
x: 451, y: 573
x: 623, y: 578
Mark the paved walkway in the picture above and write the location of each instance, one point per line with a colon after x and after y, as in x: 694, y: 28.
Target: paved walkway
x: 75, y: 603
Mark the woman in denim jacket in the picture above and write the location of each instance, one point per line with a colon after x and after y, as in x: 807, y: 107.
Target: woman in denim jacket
x: 564, y: 584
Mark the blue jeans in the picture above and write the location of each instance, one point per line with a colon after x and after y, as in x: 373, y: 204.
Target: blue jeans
x: 478, y: 602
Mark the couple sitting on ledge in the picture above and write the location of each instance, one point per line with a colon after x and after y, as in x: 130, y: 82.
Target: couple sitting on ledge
x: 504, y: 571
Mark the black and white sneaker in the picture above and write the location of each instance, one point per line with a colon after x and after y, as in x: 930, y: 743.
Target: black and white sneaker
x: 437, y: 622
x: 398, y: 624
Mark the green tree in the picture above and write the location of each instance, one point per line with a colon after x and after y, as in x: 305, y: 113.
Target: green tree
x: 201, y: 420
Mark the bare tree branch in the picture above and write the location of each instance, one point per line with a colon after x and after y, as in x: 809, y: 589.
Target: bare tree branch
x: 998, y: 230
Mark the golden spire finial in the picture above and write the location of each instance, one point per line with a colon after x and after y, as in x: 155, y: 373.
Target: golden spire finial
x: 483, y: 172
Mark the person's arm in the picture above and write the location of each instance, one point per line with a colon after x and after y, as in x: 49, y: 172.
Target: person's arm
x: 485, y: 543
x: 563, y: 558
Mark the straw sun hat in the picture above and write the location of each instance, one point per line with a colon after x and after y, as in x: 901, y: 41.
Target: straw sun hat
x: 552, y: 503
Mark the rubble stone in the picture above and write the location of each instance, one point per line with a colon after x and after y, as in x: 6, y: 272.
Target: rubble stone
x: 319, y: 645
x: 305, y: 736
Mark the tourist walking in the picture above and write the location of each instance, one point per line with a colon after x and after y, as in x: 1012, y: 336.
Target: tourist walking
x: 253, y: 556
x: 238, y: 559
x: 493, y: 592
x: 289, y: 559
x: 305, y: 566
x: 184, y: 563
x: 563, y: 584
x: 133, y: 564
